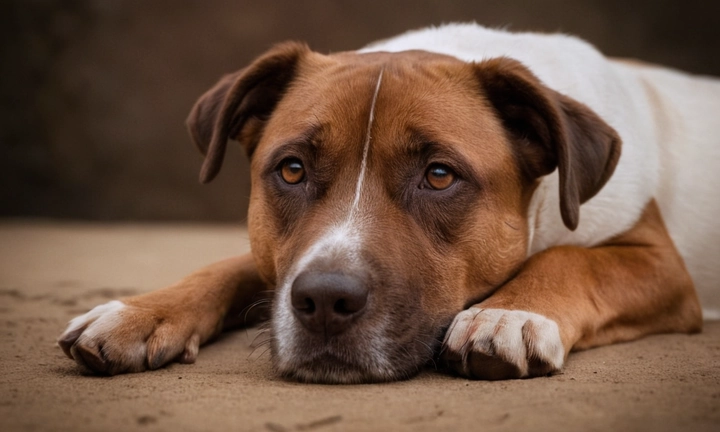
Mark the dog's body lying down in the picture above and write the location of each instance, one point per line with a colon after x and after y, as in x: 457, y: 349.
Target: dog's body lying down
x: 421, y: 198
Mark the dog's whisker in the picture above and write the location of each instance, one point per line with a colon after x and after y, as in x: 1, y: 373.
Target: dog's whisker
x: 263, y: 353
x: 263, y: 326
x: 258, y: 336
x: 430, y: 350
x: 248, y: 308
x: 263, y: 344
x: 258, y: 331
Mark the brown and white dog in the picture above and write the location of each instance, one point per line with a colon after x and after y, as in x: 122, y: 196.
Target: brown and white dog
x: 422, y: 198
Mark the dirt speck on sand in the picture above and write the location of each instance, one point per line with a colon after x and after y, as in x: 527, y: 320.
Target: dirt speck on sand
x: 50, y: 272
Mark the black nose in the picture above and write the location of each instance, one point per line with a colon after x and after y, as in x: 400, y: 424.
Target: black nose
x: 327, y: 303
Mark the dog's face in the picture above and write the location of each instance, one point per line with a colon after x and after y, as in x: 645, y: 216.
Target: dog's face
x: 389, y: 192
x: 389, y: 205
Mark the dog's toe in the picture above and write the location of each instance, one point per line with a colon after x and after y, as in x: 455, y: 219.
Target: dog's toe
x: 77, y: 325
x: 89, y: 355
x: 502, y: 344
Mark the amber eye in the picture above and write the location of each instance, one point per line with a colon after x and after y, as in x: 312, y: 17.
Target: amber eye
x: 439, y: 176
x: 292, y: 171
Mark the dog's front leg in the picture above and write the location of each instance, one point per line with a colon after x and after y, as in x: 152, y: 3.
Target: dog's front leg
x: 574, y: 298
x: 150, y: 330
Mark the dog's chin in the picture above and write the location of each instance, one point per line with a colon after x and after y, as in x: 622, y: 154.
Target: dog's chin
x: 349, y: 362
x: 329, y: 369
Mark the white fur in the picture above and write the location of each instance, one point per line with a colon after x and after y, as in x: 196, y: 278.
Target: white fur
x: 335, y: 241
x: 110, y: 310
x: 366, y: 149
x: 666, y: 119
x: 99, y: 324
x: 499, y: 333
x: 343, y: 240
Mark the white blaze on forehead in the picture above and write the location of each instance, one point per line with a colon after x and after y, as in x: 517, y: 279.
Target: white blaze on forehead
x: 366, y: 149
x: 341, y: 238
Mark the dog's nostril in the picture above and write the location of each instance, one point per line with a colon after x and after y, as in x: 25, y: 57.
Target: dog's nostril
x: 341, y: 308
x: 350, y: 304
x: 309, y: 305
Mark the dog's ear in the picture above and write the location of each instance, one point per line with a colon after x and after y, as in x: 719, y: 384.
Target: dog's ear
x: 240, y: 103
x: 551, y: 130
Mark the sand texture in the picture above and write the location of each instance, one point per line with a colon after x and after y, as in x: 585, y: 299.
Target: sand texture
x: 51, y: 272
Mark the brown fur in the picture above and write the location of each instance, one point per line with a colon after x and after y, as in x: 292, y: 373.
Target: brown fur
x: 634, y: 285
x: 426, y: 254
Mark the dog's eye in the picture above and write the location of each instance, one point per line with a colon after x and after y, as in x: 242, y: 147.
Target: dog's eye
x: 439, y: 176
x: 292, y: 171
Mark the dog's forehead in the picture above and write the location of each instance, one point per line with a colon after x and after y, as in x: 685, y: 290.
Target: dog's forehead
x: 413, y: 59
x: 346, y: 81
x: 422, y: 94
x: 406, y: 73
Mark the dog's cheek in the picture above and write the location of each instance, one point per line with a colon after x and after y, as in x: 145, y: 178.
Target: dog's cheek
x: 498, y: 248
x: 443, y: 214
x: 263, y: 236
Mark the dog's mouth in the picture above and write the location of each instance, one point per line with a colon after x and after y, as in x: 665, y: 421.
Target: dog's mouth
x: 366, y: 354
x: 327, y: 367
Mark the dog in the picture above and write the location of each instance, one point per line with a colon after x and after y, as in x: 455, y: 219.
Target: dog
x: 488, y: 199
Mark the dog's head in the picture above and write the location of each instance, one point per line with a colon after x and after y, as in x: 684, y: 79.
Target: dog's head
x: 390, y: 191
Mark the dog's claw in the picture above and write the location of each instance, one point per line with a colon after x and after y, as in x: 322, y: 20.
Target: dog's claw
x: 67, y: 340
x: 90, y: 356
x: 497, y: 344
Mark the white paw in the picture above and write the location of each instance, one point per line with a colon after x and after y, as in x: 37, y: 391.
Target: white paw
x: 116, y: 338
x: 502, y: 344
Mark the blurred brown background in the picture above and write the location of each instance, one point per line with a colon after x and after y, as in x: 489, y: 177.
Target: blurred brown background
x: 94, y: 93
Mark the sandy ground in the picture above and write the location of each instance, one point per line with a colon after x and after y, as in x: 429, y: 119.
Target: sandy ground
x: 50, y: 272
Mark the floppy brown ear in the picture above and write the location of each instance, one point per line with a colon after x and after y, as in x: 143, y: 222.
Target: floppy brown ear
x: 551, y: 130
x: 247, y: 96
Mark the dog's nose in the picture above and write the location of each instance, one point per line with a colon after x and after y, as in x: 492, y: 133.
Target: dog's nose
x: 328, y: 302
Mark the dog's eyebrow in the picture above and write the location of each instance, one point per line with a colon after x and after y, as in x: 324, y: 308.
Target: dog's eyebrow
x: 303, y: 142
x: 423, y: 144
x: 307, y: 136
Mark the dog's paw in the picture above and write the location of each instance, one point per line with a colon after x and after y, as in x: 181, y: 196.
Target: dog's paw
x: 116, y: 338
x: 501, y: 344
